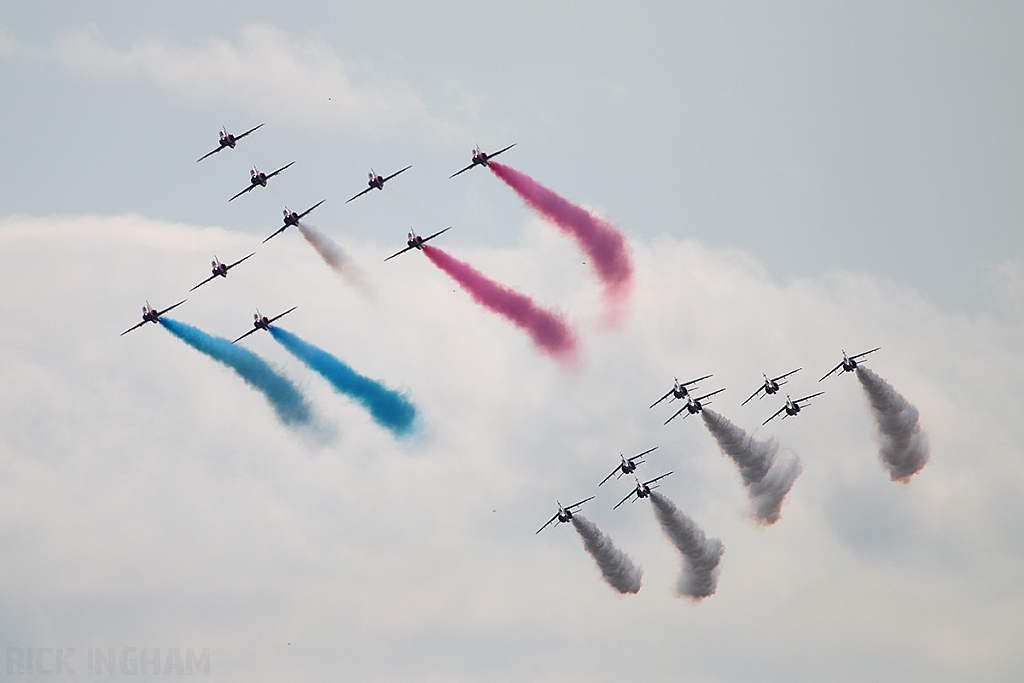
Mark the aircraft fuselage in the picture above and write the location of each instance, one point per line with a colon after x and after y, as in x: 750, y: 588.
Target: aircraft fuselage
x: 220, y: 269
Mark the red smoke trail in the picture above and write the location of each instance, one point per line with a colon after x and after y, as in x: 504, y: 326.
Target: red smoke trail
x: 546, y: 329
x: 600, y: 240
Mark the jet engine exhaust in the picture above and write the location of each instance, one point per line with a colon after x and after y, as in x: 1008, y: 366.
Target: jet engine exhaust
x: 289, y: 404
x: 548, y: 331
x: 388, y: 408
x: 616, y: 566
x: 604, y: 245
x: 334, y: 256
x: 768, y: 478
x: 701, y: 554
x: 904, y: 448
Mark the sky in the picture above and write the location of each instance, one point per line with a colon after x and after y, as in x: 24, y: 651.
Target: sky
x: 791, y: 181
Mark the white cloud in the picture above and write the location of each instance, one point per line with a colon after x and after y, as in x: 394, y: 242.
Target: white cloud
x: 267, y: 72
x: 191, y: 517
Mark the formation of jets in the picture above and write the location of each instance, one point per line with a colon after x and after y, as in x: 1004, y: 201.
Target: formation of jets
x: 220, y: 269
x: 416, y: 242
x: 262, y: 322
x: 377, y: 182
x: 291, y: 219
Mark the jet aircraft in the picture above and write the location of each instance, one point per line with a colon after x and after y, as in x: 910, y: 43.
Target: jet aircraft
x: 481, y: 158
x: 627, y: 466
x: 227, y: 140
x: 679, y: 390
x: 564, y: 514
x: 792, y: 407
x: 416, y: 242
x: 849, y: 363
x: 219, y: 268
x: 151, y: 315
x: 292, y: 219
x: 642, y: 490
x: 770, y: 386
x: 258, y: 177
x: 694, y: 405
x: 377, y: 181
x: 262, y: 322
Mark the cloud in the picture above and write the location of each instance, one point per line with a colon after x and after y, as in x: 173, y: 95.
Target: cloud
x: 192, y: 517
x: 266, y: 71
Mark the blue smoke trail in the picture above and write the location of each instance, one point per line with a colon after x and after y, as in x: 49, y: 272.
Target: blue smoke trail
x: 287, y: 401
x: 387, y: 407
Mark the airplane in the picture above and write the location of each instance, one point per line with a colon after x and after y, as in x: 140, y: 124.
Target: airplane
x: 679, y: 390
x: 292, y: 219
x: 627, y: 466
x: 694, y: 405
x: 227, y: 140
x: 481, y: 158
x: 377, y: 181
x: 642, y: 490
x: 770, y: 386
x: 416, y: 242
x: 791, y: 408
x: 564, y: 514
x: 262, y: 322
x: 258, y: 177
x: 849, y: 363
x: 219, y: 268
x: 151, y: 315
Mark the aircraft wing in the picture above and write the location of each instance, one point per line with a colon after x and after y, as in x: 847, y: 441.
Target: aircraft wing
x: 610, y: 475
x: 203, y: 282
x: 239, y: 137
x: 360, y: 194
x: 701, y: 398
x: 677, y: 413
x: 210, y: 153
x: 427, y: 239
x: 303, y: 214
x: 240, y: 260
x: 281, y: 315
x: 831, y: 371
x: 576, y: 505
x: 777, y: 413
x: 547, y: 524
x: 648, y: 483
x: 245, y: 335
x: 861, y: 355
x: 505, y: 149
x: 276, y: 233
x: 631, y: 494
x: 252, y: 185
x: 160, y: 313
x: 396, y: 173
x: 694, y: 381
x: 662, y: 398
x: 640, y: 455
x: 133, y: 327
x: 791, y: 372
x: 271, y: 175
x: 807, y: 398
x: 759, y: 390
x: 397, y: 253
x: 462, y: 171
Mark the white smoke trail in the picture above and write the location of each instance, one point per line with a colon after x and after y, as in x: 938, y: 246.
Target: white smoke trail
x: 767, y: 477
x: 701, y: 555
x: 616, y: 566
x: 335, y: 257
x: 904, y: 448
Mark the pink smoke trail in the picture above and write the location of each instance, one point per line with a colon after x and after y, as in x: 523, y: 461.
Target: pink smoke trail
x: 547, y: 330
x: 600, y: 240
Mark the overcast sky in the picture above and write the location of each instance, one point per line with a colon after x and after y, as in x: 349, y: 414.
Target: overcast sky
x: 791, y: 181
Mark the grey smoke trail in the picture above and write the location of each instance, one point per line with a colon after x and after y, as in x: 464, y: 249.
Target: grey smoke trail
x: 767, y: 477
x: 616, y: 566
x: 335, y: 257
x: 904, y: 448
x: 701, y: 554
